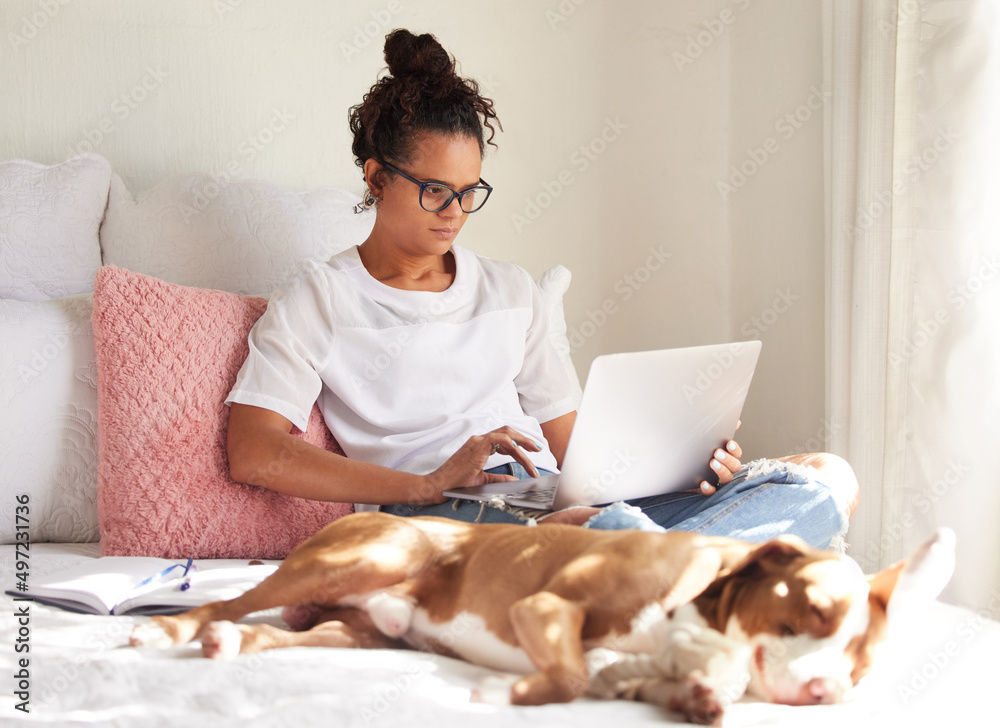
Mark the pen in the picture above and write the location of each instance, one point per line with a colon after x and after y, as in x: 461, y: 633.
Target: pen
x: 188, y: 572
x: 159, y: 577
x: 162, y: 576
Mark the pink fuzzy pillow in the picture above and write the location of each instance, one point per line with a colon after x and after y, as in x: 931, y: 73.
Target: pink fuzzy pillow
x: 167, y: 356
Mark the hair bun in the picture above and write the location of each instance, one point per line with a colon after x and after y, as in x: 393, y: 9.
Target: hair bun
x: 421, y: 92
x: 409, y: 55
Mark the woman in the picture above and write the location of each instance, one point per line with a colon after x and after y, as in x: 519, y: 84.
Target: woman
x: 472, y: 390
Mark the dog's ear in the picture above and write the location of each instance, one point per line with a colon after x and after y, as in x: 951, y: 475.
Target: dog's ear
x: 776, y: 553
x: 768, y: 556
x: 918, y: 579
x: 718, y: 598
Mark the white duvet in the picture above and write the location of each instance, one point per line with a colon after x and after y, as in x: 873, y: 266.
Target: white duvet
x: 940, y: 669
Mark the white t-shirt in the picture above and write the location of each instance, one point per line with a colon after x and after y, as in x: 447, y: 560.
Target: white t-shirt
x: 404, y: 378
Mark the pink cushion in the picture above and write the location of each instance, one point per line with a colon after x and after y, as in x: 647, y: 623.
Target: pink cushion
x: 167, y: 356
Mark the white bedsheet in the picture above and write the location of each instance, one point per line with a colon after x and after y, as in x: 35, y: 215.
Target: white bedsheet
x: 940, y: 670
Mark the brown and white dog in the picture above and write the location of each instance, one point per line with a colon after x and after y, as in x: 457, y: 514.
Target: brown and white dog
x: 687, y: 621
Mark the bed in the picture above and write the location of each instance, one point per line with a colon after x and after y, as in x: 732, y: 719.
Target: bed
x: 122, y: 317
x: 940, y: 669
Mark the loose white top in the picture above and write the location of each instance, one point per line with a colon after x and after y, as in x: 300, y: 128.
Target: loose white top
x: 404, y: 378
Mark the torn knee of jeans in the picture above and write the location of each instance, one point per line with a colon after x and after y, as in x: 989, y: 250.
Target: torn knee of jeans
x: 528, y: 516
x: 794, y: 472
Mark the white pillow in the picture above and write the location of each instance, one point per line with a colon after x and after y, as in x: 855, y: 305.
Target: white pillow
x: 238, y: 236
x: 49, y: 218
x: 48, y: 418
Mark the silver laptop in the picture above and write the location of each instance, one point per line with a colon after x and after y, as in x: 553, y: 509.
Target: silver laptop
x: 647, y: 424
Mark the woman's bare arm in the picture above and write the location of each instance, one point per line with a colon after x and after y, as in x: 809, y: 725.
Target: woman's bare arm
x: 557, y: 434
x: 262, y: 451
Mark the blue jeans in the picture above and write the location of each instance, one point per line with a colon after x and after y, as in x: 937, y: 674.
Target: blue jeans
x: 471, y: 511
x: 765, y: 499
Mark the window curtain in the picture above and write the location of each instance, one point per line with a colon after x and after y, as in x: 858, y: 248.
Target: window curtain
x: 912, y: 157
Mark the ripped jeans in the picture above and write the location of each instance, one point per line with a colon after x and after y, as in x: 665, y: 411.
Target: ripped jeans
x: 766, y: 498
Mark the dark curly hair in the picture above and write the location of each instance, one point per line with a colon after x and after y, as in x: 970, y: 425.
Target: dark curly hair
x: 421, y: 93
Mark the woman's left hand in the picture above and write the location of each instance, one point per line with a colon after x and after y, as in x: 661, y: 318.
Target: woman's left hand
x: 725, y: 463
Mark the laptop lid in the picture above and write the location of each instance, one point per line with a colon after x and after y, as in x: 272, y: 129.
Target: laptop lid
x: 649, y: 421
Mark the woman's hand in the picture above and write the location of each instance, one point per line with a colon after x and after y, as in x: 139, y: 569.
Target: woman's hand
x: 725, y: 463
x: 465, y: 467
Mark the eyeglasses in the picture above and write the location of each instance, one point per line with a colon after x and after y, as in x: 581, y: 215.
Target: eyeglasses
x: 435, y: 196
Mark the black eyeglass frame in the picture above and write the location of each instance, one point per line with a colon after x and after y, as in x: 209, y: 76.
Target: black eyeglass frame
x: 483, y: 185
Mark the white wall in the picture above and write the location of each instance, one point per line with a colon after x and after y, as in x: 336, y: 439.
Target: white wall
x: 681, y: 89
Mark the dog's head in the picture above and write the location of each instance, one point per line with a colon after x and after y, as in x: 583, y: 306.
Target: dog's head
x: 812, y: 618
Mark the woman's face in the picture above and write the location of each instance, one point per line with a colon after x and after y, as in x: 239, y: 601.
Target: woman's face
x: 448, y: 159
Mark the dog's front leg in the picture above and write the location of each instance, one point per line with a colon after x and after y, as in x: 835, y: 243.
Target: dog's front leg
x: 165, y: 631
x: 334, y: 628
x: 548, y: 628
x: 698, y: 672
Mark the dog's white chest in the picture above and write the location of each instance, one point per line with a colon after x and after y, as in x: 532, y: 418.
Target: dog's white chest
x: 468, y: 637
x: 465, y: 634
x: 646, y: 632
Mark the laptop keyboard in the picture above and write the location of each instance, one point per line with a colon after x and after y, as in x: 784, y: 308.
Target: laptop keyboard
x: 543, y: 495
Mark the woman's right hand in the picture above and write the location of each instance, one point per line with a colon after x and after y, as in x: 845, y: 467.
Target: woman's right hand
x: 465, y: 468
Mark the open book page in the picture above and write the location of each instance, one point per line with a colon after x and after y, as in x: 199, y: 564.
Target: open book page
x: 213, y: 580
x: 114, y: 584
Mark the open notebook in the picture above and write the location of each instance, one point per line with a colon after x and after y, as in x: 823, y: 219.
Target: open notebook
x: 647, y: 424
x: 145, y: 585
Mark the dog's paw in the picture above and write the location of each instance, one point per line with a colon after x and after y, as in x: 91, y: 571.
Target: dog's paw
x: 151, y: 634
x: 699, y: 703
x: 696, y: 700
x: 494, y: 690
x: 390, y: 614
x: 221, y: 641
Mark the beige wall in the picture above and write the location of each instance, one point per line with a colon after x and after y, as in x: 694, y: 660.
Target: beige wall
x: 620, y: 121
